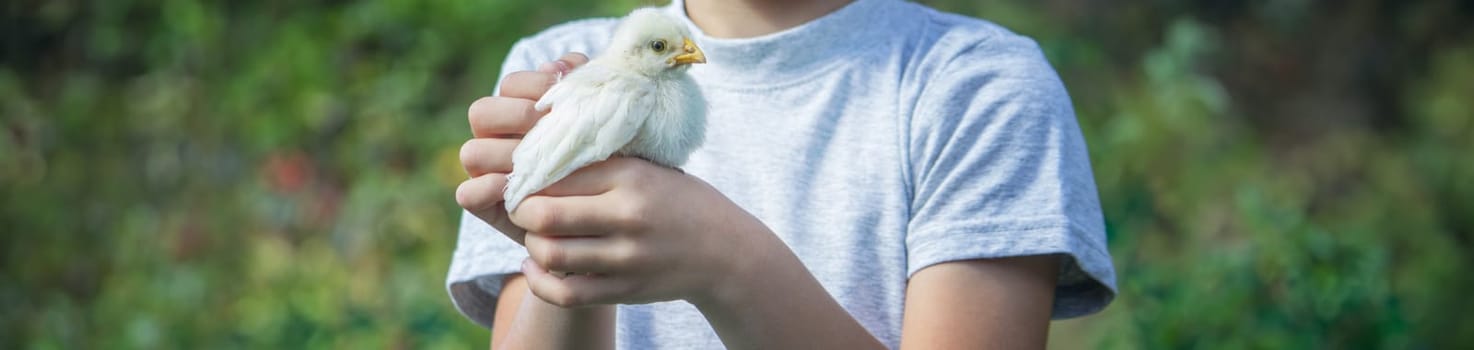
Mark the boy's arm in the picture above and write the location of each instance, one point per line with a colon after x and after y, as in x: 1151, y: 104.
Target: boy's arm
x: 762, y: 298
x: 648, y: 233
x: 684, y: 240
x: 1000, y: 303
x: 981, y: 304
x: 531, y: 323
x: 774, y: 302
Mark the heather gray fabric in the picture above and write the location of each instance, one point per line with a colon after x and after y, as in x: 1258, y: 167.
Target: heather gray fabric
x: 877, y: 140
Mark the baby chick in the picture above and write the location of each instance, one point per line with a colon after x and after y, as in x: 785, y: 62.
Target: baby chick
x: 635, y: 99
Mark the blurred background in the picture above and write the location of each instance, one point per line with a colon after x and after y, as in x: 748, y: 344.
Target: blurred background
x: 249, y: 174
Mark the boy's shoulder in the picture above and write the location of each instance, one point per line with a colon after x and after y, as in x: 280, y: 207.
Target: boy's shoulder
x: 952, y: 28
x: 946, y: 40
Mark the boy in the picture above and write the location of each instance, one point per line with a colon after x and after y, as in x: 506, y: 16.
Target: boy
x: 876, y: 175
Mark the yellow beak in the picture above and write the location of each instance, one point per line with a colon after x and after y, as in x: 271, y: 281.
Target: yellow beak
x: 692, y: 53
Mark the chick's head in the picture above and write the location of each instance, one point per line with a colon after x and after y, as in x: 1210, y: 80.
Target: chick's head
x: 654, y: 44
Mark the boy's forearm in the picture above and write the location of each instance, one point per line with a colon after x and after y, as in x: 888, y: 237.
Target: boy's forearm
x: 537, y: 324
x: 780, y: 305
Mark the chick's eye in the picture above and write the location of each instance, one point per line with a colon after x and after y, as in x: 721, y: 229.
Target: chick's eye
x: 658, y: 45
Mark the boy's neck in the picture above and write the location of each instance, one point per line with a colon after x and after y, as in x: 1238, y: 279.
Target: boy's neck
x: 750, y: 18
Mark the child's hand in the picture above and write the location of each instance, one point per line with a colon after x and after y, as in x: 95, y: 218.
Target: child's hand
x: 498, y: 123
x: 635, y: 232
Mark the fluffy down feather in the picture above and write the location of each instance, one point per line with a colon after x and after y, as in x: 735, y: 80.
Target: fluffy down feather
x: 634, y: 100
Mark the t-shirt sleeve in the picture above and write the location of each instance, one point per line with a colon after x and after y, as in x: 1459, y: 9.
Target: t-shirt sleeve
x: 999, y: 169
x: 483, y: 256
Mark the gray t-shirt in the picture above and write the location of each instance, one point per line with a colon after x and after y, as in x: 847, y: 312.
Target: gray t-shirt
x: 875, y: 141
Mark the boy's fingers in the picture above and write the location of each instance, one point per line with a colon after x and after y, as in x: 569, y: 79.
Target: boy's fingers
x: 589, y: 181
x: 565, y: 216
x: 575, y: 59
x: 528, y: 85
x: 484, y: 156
x: 569, y: 290
x: 532, y: 85
x: 578, y: 254
x: 564, y: 64
x: 550, y: 288
x: 500, y: 116
x: 482, y: 197
x: 555, y: 67
x: 481, y: 193
x: 597, y: 178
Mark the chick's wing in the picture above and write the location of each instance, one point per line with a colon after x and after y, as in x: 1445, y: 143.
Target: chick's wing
x: 594, y: 113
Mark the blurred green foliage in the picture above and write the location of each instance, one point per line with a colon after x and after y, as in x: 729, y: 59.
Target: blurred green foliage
x: 192, y: 174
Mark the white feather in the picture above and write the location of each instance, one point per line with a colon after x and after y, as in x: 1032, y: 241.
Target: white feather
x: 630, y: 101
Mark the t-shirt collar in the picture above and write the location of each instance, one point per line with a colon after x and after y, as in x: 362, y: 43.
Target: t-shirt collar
x: 791, y: 53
